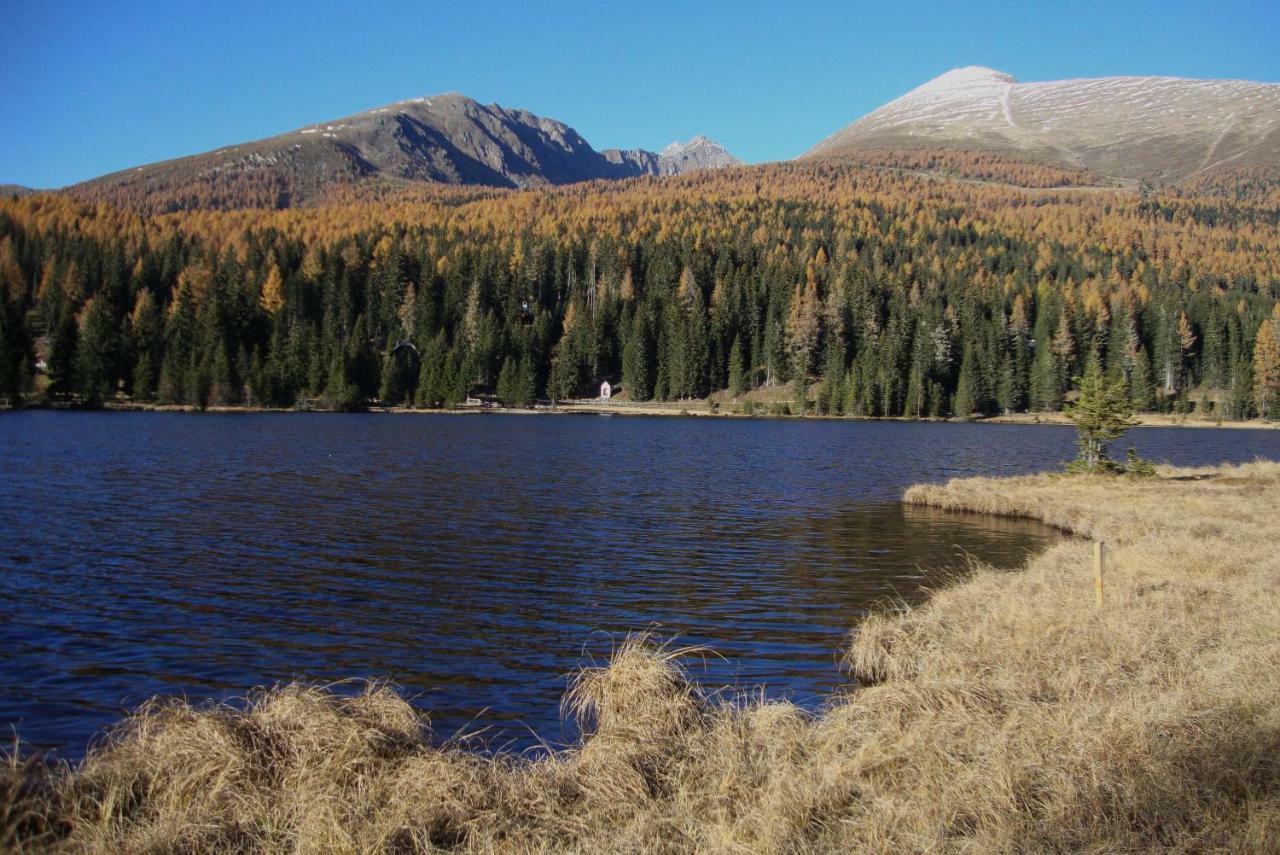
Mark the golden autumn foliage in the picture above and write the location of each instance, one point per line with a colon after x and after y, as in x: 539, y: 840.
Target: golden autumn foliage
x: 272, y: 299
x: 1185, y: 277
x: 1266, y: 364
x: 1208, y: 240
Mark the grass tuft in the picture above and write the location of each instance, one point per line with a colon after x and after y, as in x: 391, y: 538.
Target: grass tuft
x: 1008, y: 713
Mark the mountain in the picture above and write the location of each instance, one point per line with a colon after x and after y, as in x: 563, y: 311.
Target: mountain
x: 698, y: 153
x: 1158, y: 129
x: 449, y: 139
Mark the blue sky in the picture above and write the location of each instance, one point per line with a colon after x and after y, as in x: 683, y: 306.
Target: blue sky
x: 91, y: 87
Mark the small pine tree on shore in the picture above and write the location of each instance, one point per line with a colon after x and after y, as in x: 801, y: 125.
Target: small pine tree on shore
x: 1102, y: 414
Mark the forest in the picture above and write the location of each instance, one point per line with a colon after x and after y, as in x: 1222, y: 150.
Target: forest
x: 863, y: 290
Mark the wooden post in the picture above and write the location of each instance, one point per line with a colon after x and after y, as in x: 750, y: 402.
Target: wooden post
x: 1099, y: 561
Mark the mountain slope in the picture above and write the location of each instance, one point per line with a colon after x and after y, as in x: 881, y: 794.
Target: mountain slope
x: 448, y: 139
x: 1160, y: 129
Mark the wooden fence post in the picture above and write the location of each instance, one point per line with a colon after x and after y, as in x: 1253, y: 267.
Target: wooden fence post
x: 1099, y: 562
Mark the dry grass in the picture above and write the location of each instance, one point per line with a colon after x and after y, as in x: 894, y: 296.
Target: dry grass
x: 1007, y: 714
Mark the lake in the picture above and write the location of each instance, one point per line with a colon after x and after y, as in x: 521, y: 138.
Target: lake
x: 474, y: 560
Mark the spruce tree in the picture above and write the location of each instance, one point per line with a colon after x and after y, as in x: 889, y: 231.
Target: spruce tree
x: 64, y: 341
x: 506, y: 388
x: 98, y: 353
x: 14, y: 352
x: 1102, y: 414
x: 635, y: 357
x: 146, y: 341
x: 737, y: 371
x: 967, y: 400
x: 829, y: 393
x: 339, y: 392
x: 1045, y: 391
x: 1140, y: 388
x: 525, y: 388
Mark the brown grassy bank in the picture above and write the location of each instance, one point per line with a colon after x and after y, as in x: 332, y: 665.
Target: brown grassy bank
x: 1142, y: 420
x: 772, y: 402
x: 1007, y: 714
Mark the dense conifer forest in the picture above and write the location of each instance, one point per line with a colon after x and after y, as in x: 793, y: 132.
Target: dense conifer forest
x: 871, y: 291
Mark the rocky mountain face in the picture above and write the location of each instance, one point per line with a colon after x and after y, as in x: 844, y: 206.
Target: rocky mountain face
x: 447, y: 139
x: 1159, y: 129
x: 677, y: 158
x: 698, y: 153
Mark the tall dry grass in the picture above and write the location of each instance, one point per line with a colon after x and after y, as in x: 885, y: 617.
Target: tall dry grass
x: 1006, y: 714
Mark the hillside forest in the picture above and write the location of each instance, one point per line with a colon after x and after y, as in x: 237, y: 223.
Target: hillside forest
x: 862, y: 290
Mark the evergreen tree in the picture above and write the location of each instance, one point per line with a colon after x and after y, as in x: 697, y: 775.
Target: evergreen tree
x: 879, y: 289
x: 177, y: 378
x: 916, y: 402
x: 146, y: 341
x: 340, y: 393
x: 98, y: 352
x: 525, y: 388
x: 1015, y: 364
x: 432, y: 388
x: 737, y: 370
x: 64, y: 341
x: 636, y: 358
x: 401, y: 368
x: 774, y: 350
x: 967, y: 399
x: 830, y: 392
x: 222, y: 386
x: 14, y: 352
x: 1046, y: 389
x: 506, y: 388
x: 800, y: 401
x: 1102, y: 414
x: 1140, y: 391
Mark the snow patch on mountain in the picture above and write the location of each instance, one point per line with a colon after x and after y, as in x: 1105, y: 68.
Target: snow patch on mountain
x: 1132, y: 127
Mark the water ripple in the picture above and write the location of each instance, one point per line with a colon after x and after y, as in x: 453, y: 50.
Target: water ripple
x: 472, y: 560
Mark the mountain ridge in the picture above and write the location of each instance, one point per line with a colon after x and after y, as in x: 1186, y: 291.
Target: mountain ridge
x: 1159, y: 129
x: 444, y: 139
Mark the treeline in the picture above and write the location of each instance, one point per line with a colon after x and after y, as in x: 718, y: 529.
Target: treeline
x: 868, y: 293
x: 977, y: 165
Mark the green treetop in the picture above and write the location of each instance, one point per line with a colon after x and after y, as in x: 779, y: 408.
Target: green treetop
x: 1102, y: 413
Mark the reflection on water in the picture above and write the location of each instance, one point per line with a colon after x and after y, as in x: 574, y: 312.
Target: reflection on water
x: 473, y: 560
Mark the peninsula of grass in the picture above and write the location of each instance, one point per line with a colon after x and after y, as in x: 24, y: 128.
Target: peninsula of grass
x: 1009, y: 713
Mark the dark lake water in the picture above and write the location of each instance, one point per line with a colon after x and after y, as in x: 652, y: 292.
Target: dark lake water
x: 473, y: 560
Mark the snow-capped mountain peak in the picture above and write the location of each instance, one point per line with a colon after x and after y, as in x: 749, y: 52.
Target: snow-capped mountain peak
x: 1158, y: 128
x: 967, y: 79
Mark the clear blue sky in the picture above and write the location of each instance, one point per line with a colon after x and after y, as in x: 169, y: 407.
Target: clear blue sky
x: 91, y: 87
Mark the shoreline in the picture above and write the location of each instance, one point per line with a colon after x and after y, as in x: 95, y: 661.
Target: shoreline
x: 669, y: 409
x: 1008, y: 712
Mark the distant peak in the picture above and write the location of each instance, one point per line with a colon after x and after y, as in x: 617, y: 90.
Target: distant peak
x: 439, y: 96
x: 701, y: 152
x: 677, y: 147
x: 969, y: 77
